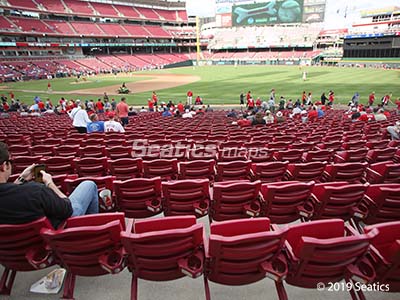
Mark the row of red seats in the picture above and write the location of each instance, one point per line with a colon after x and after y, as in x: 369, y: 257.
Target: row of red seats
x: 237, y: 252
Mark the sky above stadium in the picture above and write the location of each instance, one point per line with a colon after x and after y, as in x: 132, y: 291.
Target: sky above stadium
x: 338, y: 13
x: 343, y: 13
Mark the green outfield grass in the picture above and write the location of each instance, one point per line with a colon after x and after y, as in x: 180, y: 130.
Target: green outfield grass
x: 223, y: 84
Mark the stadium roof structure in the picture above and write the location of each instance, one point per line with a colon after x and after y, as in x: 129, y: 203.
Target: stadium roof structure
x: 159, y: 3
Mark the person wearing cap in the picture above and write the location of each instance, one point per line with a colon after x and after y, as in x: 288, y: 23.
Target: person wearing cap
x: 394, y: 131
x: 269, y: 119
x: 95, y: 125
x: 25, y: 201
x: 111, y: 125
x: 166, y: 112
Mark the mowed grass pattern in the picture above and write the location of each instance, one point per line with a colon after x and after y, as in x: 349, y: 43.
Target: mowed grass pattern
x: 223, y: 84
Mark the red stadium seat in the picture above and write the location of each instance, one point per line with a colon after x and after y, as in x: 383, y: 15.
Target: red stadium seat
x: 67, y: 150
x: 243, y: 252
x: 232, y: 154
x: 311, y: 171
x: 383, y: 172
x: 186, y: 197
x: 333, y: 200
x: 92, y: 151
x: 282, y: 201
x: 117, y: 152
x: 58, y: 165
x: 167, y: 169
x: 291, y: 155
x: 269, y: 171
x: 235, y: 170
x: 22, y: 249
x: 381, y: 203
x: 20, y: 163
x: 326, y: 252
x: 88, y: 246
x: 384, y: 253
x: 318, y: 155
x: 234, y: 200
x: 91, y: 166
x: 164, y: 249
x: 197, y: 169
x: 126, y: 168
x: 379, y: 155
x: 357, y: 155
x: 350, y: 172
x: 42, y: 150
x: 138, y: 198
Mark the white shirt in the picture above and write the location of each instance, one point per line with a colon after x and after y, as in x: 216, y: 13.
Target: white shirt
x: 113, y: 126
x: 80, y: 118
x: 73, y: 112
x: 187, y: 115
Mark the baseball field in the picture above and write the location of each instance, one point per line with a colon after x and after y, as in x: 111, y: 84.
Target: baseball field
x: 218, y: 84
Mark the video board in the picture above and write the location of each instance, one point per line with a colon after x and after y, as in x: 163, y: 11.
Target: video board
x: 268, y: 12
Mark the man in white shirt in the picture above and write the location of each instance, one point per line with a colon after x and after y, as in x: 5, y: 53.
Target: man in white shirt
x: 112, y: 125
x: 80, y: 119
x: 187, y: 114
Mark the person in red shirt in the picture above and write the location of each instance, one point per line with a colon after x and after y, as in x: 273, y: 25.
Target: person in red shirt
x: 258, y: 102
x: 41, y: 106
x: 304, y: 98
x: 99, y: 106
x: 331, y: 98
x: 6, y: 107
x: 397, y: 102
x: 248, y: 96
x: 180, y: 107
x: 250, y: 103
x: 49, y: 87
x: 189, y: 97
x: 122, y: 111
x: 371, y: 99
x: 198, y: 101
x: 12, y: 96
x: 150, y: 104
x: 313, y: 115
x: 155, y: 98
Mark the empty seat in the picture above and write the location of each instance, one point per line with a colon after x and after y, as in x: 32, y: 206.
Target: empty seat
x: 117, y: 152
x: 291, y: 155
x: 43, y: 150
x: 356, y: 155
x: 232, y: 154
x: 381, y: 203
x: 378, y: 155
x: 22, y: 249
x: 58, y: 165
x: 126, y: 168
x: 243, y: 252
x: 186, y: 197
x: 91, y: 166
x: 93, y: 151
x: 139, y: 197
x: 384, y: 253
x: 383, y: 172
x: 235, y: 200
x: 20, y: 163
x: 281, y: 201
x: 167, y: 169
x: 269, y: 171
x: 318, y: 155
x: 197, y: 169
x: 88, y: 246
x: 163, y: 249
x: 333, y: 200
x: 67, y: 150
x: 311, y: 171
x: 235, y: 170
x: 326, y: 252
x: 350, y: 172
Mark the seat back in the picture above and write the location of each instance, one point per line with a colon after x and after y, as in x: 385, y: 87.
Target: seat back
x: 230, y: 199
x: 378, y: 155
x: 269, y: 171
x: 238, y: 248
x: 320, y: 251
x: 383, y: 172
x: 91, y: 166
x: 134, y: 196
x: 235, y: 170
x: 156, y: 246
x: 84, y: 239
x: 311, y: 171
x: 350, y: 172
x: 118, y: 152
x: 385, y: 253
x: 282, y: 199
x: 384, y: 203
x: 336, y: 200
x: 186, y: 197
x: 291, y: 155
x: 104, y: 182
x: 126, y: 168
x: 318, y: 155
x: 17, y: 240
x: 58, y: 165
x: 198, y: 169
x: 164, y: 168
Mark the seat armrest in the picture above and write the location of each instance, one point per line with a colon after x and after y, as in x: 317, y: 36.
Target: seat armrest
x: 113, y: 262
x: 276, y: 269
x: 193, y: 265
